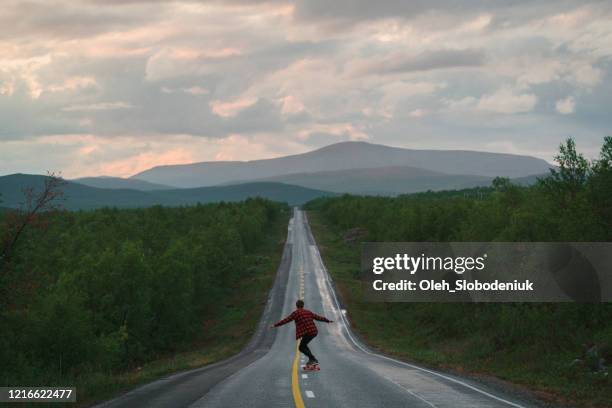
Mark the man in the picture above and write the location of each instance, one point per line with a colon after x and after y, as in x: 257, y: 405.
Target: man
x: 305, y: 329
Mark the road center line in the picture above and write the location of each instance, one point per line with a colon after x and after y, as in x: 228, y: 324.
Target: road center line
x: 295, y: 384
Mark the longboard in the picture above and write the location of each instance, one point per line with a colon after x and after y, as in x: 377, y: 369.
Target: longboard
x: 314, y: 367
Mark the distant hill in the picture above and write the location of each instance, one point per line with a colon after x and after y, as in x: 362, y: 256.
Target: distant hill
x: 529, y: 180
x: 81, y: 197
x: 382, y: 180
x: 118, y: 182
x: 392, y: 180
x: 345, y: 156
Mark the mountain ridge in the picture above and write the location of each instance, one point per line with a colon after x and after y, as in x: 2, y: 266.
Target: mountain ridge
x: 393, y: 180
x: 109, y: 182
x: 81, y: 197
x: 345, y: 156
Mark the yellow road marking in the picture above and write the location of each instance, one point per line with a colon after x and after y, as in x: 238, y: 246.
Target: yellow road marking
x: 295, y: 384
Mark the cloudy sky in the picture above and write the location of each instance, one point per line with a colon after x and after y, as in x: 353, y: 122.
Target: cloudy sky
x: 114, y: 87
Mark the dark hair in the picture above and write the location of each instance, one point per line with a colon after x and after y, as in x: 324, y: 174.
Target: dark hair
x: 299, y: 304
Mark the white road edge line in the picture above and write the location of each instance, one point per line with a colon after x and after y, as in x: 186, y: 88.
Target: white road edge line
x: 414, y: 394
x: 346, y: 326
x: 309, y: 394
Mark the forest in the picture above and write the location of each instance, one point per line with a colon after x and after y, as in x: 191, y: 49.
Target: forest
x: 90, y: 294
x: 562, y: 349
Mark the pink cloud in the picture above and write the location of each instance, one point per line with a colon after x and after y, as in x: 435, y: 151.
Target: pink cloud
x: 228, y: 109
x: 146, y: 160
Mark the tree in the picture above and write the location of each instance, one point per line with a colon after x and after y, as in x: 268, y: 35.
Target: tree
x: 36, y: 202
x: 605, y: 156
x: 173, y: 296
x: 600, y: 187
x: 565, y: 182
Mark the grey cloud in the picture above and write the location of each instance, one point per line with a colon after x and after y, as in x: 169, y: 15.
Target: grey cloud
x: 151, y: 111
x: 23, y: 117
x: 21, y: 121
x: 354, y: 10
x: 223, y: 2
x: 228, y: 77
x: 593, y: 106
x: 361, y: 10
x: 312, y: 11
x: 260, y: 117
x: 299, y: 118
x: 181, y: 113
x: 316, y: 139
x: 266, y: 50
x: 155, y: 111
x: 43, y: 20
x: 427, y: 61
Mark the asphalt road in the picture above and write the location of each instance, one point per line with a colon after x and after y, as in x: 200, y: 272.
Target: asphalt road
x: 267, y: 373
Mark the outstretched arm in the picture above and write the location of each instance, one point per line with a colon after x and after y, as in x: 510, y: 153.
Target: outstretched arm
x: 285, y: 320
x: 321, y: 318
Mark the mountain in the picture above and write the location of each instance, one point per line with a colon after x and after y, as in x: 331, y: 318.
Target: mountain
x: 80, y: 197
x: 391, y: 180
x: 382, y: 180
x: 118, y: 182
x: 345, y: 156
x: 529, y: 180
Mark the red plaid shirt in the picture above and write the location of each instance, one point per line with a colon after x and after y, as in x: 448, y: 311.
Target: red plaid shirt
x: 304, y: 322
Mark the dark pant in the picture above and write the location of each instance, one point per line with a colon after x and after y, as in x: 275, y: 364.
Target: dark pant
x: 304, y: 347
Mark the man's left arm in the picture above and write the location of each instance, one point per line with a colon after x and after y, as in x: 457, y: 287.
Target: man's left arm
x: 321, y: 318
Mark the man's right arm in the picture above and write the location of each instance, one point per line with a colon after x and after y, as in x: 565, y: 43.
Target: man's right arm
x: 285, y: 320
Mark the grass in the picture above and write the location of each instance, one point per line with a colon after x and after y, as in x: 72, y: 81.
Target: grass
x: 429, y: 334
x: 221, y: 338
